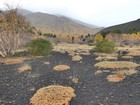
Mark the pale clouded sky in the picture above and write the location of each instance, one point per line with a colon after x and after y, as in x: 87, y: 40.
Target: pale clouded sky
x: 97, y: 12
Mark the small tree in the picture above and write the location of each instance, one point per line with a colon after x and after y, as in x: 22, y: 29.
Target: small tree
x: 73, y: 39
x: 39, y: 33
x: 98, y: 38
x: 12, y: 25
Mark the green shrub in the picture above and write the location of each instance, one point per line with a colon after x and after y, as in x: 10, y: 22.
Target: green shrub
x: 39, y: 47
x: 105, y: 46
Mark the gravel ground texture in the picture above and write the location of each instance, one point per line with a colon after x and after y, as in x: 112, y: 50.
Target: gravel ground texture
x: 90, y: 89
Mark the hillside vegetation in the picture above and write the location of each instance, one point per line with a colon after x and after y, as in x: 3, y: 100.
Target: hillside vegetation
x: 59, y: 25
x: 122, y: 35
x: 129, y: 27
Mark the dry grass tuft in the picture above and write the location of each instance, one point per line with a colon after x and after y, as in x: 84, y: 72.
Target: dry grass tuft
x: 53, y: 95
x: 24, y: 68
x: 75, y: 80
x: 127, y: 57
x: 98, y: 72
x: 76, y: 58
x: 134, y: 53
x: 46, y: 63
x: 115, y: 77
x: 101, y: 58
x: 126, y: 72
x: 36, y: 57
x: 32, y: 89
x: 73, y: 49
x: 106, y: 55
x: 116, y: 64
x: 101, y: 71
x: 61, y: 67
x: 16, y: 60
x: 71, y: 54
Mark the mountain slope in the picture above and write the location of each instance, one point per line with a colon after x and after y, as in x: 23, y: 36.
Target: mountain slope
x: 59, y: 25
x: 83, y: 23
x: 129, y: 27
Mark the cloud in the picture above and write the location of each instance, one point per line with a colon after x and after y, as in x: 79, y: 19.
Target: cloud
x: 99, y: 12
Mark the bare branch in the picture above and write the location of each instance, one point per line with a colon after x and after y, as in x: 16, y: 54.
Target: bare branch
x: 12, y: 25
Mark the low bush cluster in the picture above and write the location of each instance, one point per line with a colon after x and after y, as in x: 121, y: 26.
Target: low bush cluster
x: 39, y: 47
x: 105, y: 46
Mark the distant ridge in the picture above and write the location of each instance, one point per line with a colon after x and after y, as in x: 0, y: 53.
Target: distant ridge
x: 125, y: 27
x: 59, y: 24
x: 83, y: 23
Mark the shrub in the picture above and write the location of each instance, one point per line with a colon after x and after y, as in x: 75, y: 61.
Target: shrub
x: 53, y: 95
x: 39, y: 47
x: 105, y: 46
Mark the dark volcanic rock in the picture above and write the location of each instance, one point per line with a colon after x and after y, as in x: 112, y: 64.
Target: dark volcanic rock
x: 17, y: 89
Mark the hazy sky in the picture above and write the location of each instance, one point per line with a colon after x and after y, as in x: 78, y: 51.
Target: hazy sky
x: 97, y: 12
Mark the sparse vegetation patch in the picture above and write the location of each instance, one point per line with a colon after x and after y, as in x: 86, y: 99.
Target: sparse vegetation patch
x: 116, y: 65
x: 73, y: 49
x: 46, y: 63
x: 75, y: 80
x: 53, y: 95
x: 115, y: 77
x: 127, y: 57
x: 98, y: 72
x: 126, y: 72
x: 76, y: 58
x: 134, y: 53
x: 24, y: 68
x: 61, y: 67
x: 101, y: 58
x: 106, y: 55
x: 101, y: 71
x: 17, y: 60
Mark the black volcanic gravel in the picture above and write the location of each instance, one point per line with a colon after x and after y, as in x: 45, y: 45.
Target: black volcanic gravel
x: 91, y: 89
